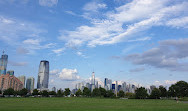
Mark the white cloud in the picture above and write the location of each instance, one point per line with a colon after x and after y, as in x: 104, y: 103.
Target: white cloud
x: 32, y: 41
x: 55, y: 71
x: 178, y: 22
x: 69, y: 74
x: 125, y: 22
x: 94, y: 6
x: 58, y: 51
x: 48, y: 3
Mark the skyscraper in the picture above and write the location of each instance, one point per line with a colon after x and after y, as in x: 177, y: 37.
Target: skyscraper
x: 30, y: 84
x: 10, y: 72
x: 43, y: 75
x: 22, y: 79
x: 3, y: 63
x: 93, y: 81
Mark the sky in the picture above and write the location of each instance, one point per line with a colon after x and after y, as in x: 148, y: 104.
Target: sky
x: 137, y: 41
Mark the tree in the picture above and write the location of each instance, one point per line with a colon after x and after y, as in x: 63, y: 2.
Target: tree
x: 121, y: 94
x: 67, y: 91
x: 95, y: 92
x: 44, y: 93
x: 59, y: 93
x: 163, y: 91
x: 9, y: 91
x: 130, y: 95
x: 141, y: 93
x: 52, y: 93
x: 78, y: 93
x: 102, y: 92
x: 110, y: 94
x: 0, y: 92
x: 23, y: 92
x: 155, y: 94
x: 86, y: 92
x: 179, y: 89
x: 35, y: 92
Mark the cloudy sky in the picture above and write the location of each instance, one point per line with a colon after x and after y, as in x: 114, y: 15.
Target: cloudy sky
x: 137, y: 41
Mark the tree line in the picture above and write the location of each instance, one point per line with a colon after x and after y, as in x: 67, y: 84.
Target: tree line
x: 179, y: 89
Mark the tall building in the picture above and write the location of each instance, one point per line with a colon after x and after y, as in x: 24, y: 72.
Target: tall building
x: 10, y: 72
x: 22, y: 79
x: 3, y: 63
x: 10, y: 81
x: 116, y: 88
x: 43, y: 75
x: 93, y: 81
x: 97, y: 84
x: 124, y: 87
x: 30, y: 84
x: 54, y: 89
x: 107, y: 84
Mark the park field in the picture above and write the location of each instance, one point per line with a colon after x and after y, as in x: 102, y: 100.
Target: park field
x: 89, y: 104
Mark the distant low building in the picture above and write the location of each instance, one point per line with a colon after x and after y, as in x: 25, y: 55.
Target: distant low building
x: 10, y: 81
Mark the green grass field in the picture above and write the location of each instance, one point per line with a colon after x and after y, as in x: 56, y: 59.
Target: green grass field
x: 89, y: 104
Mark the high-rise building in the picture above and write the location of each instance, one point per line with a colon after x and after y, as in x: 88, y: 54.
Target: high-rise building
x: 3, y: 63
x: 43, y: 75
x: 10, y: 72
x: 116, y: 88
x: 30, y: 84
x: 124, y: 87
x: 54, y: 89
x: 22, y: 79
x: 97, y: 85
x: 93, y: 81
x: 105, y: 82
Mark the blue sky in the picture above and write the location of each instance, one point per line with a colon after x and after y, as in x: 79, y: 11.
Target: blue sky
x: 137, y: 41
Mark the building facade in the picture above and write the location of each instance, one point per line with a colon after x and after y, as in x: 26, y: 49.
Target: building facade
x: 10, y: 72
x: 43, y: 75
x: 30, y: 84
x: 22, y: 79
x: 10, y: 81
x: 3, y: 63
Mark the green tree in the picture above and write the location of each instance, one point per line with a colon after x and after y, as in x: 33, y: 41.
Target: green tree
x: 163, y: 91
x: 0, y: 92
x: 86, y: 92
x: 35, y: 92
x: 9, y: 91
x: 67, y: 91
x: 78, y: 93
x: 52, y: 93
x: 23, y: 92
x: 141, y: 93
x: 129, y: 95
x: 44, y: 93
x: 110, y: 94
x: 102, y: 92
x: 155, y: 94
x: 121, y: 93
x: 179, y: 89
x: 96, y: 92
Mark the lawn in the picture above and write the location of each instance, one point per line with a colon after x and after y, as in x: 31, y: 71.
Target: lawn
x: 89, y: 104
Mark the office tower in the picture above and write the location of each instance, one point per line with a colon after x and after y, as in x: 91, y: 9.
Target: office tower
x: 93, y: 81
x: 113, y: 86
x: 10, y: 72
x: 54, y: 89
x: 88, y: 85
x: 22, y: 79
x: 116, y: 88
x: 110, y: 84
x: 97, y: 85
x: 3, y: 63
x: 119, y: 87
x: 30, y: 84
x: 7, y: 81
x: 105, y: 82
x: 43, y: 75
x: 124, y: 87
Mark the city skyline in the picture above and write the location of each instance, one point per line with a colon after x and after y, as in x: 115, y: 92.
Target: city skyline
x: 138, y: 42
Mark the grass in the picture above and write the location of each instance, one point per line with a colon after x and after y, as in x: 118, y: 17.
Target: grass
x: 88, y: 104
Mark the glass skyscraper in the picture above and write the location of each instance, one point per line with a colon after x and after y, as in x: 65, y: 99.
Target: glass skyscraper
x: 3, y: 63
x: 30, y: 84
x: 43, y: 75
